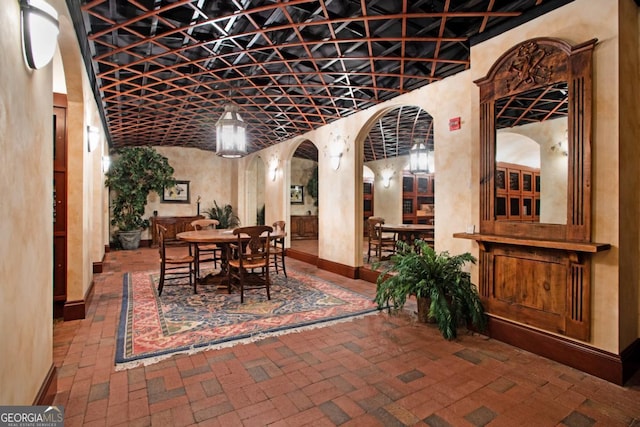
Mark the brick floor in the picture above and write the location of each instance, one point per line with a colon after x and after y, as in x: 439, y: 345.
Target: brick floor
x: 375, y: 371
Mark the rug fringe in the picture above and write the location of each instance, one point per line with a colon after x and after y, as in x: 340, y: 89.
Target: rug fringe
x: 193, y: 350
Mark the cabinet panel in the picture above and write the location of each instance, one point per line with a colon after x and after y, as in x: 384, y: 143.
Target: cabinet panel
x: 304, y: 227
x: 174, y: 225
x: 418, y: 199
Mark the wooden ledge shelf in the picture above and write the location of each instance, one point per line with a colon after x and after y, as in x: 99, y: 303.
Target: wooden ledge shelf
x: 566, y: 245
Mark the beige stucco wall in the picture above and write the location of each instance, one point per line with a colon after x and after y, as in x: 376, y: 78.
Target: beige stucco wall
x: 577, y: 22
x: 210, y: 176
x: 26, y: 172
x: 387, y: 202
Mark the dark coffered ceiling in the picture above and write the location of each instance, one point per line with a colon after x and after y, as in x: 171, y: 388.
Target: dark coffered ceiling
x: 165, y: 69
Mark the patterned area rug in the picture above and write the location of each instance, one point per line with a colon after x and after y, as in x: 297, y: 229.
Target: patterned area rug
x: 153, y: 328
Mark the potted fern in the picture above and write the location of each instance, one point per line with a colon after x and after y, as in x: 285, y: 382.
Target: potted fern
x: 224, y: 214
x: 444, y: 291
x: 134, y: 173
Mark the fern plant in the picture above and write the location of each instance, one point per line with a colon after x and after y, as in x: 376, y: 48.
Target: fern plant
x: 224, y: 214
x: 420, y: 271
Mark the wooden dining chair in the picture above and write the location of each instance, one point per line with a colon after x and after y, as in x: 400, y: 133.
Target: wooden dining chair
x: 248, y: 259
x: 379, y: 243
x: 207, y: 252
x: 174, y: 265
x: 277, y: 248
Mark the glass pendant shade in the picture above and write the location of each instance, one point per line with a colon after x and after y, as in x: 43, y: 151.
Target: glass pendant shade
x: 231, y: 141
x: 40, y: 31
x: 419, y: 158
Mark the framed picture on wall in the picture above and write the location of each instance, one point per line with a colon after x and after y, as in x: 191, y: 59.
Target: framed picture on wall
x: 179, y: 193
x: 297, y: 195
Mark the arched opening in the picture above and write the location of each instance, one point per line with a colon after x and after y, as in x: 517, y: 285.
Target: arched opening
x: 303, y: 199
x: 393, y: 193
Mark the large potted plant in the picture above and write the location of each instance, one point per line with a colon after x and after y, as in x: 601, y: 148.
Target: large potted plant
x: 134, y: 173
x: 443, y: 290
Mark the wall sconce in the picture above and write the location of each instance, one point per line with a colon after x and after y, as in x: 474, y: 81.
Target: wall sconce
x: 40, y: 29
x: 93, y: 138
x: 386, y: 175
x: 273, y: 171
x: 336, y: 149
x: 106, y: 164
x: 560, y: 148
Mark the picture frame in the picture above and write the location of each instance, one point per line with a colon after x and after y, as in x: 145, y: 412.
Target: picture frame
x: 297, y: 195
x: 179, y: 193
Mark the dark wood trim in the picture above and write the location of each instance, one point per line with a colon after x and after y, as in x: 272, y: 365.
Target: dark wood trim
x: 630, y: 360
x: 341, y: 269
x: 48, y: 389
x: 602, y: 364
x: 368, y: 275
x: 97, y: 267
x: 75, y: 310
x: 302, y: 256
x: 566, y: 245
x: 107, y: 248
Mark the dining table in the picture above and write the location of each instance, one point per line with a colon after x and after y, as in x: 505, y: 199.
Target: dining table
x: 408, y: 233
x: 222, y: 237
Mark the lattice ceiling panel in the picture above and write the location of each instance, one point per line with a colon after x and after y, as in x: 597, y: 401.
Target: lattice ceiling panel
x: 166, y: 68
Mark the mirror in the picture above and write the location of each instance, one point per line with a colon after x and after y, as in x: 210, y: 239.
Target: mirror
x: 535, y: 141
x: 532, y: 155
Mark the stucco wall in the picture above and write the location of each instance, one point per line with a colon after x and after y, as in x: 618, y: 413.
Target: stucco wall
x: 210, y: 178
x: 575, y: 23
x: 26, y: 171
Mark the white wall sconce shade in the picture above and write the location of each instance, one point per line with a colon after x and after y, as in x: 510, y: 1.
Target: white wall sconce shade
x: 93, y: 138
x: 273, y: 171
x: 106, y: 164
x: 336, y: 149
x: 40, y: 30
x: 231, y: 134
x: 386, y: 175
x: 334, y: 160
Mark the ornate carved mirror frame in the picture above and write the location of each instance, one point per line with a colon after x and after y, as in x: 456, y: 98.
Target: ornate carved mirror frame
x: 532, y: 64
x: 531, y: 273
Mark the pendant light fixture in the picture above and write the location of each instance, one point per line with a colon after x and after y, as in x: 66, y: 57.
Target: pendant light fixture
x: 419, y: 158
x: 40, y: 30
x: 231, y: 141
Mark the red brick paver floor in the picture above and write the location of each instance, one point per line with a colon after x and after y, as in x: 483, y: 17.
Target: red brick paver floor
x: 379, y: 370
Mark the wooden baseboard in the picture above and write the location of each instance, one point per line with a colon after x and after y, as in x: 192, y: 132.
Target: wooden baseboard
x: 302, y: 256
x: 368, y: 275
x: 341, y: 269
x: 75, y: 310
x: 97, y: 267
x: 48, y: 389
x: 602, y: 364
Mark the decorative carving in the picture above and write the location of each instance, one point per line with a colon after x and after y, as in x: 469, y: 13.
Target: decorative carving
x: 527, y: 67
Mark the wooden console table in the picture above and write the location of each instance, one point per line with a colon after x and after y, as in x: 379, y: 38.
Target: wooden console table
x: 174, y: 225
x: 543, y: 283
x: 304, y: 227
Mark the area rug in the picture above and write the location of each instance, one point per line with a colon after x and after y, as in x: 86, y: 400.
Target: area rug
x: 152, y: 328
